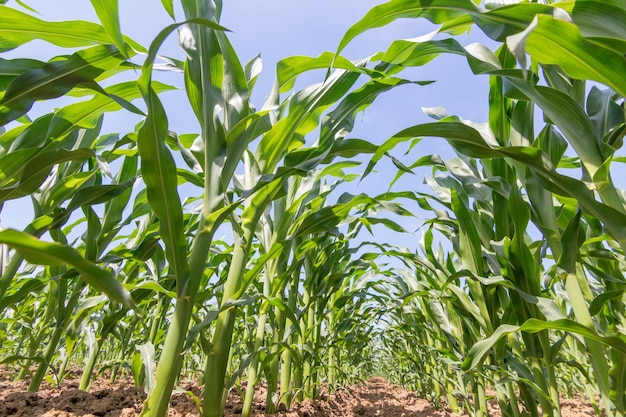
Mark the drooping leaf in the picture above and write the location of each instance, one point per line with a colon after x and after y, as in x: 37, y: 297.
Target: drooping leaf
x: 47, y: 253
x: 17, y: 28
x: 36, y: 167
x: 108, y: 13
x: 554, y: 41
x: 55, y: 79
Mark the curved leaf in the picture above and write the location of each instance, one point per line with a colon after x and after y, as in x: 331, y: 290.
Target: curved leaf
x: 17, y: 28
x: 46, y: 253
x: 554, y: 41
x: 108, y: 13
x: 55, y: 79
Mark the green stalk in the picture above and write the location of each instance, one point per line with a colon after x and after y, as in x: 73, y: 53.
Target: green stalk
x: 156, y: 320
x: 286, y: 390
x: 287, y: 385
x: 51, y: 349
x: 69, y: 349
x: 332, y: 366
x: 618, y: 373
x: 596, y: 352
x: 480, y: 399
x: 85, y: 380
x: 552, y: 385
x: 253, y: 368
x: 298, y: 368
x: 252, y: 373
x: 537, y: 369
x: 169, y: 365
x: 310, y: 374
x: 217, y: 361
x: 272, y: 377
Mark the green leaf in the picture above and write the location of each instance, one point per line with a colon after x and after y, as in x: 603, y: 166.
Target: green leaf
x: 288, y: 69
x: 152, y: 286
x: 329, y: 217
x: 46, y: 253
x: 55, y: 79
x: 437, y: 11
x: 477, y: 353
x: 158, y: 168
x: 471, y: 143
x: 305, y: 109
x: 601, y: 300
x: 17, y: 28
x: 12, y: 68
x: 168, y: 5
x: 158, y: 171
x: 148, y: 359
x: 108, y: 13
x: 36, y: 168
x: 86, y: 113
x: 553, y: 41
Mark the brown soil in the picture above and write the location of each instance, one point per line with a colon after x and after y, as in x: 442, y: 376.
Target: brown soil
x: 121, y: 399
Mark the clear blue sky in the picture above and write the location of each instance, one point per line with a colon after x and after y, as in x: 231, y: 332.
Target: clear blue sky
x: 277, y: 29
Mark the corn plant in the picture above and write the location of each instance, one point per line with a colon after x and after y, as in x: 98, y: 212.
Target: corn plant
x: 518, y: 273
x: 139, y: 242
x: 490, y: 236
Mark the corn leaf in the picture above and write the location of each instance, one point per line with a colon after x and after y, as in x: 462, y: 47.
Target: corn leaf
x: 46, y: 253
x: 553, y: 41
x: 55, y: 79
x: 108, y: 13
x: 17, y: 28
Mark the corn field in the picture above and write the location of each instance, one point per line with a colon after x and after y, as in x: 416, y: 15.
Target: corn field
x: 234, y: 252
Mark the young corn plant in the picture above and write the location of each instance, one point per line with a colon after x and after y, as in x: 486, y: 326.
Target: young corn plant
x: 578, y: 119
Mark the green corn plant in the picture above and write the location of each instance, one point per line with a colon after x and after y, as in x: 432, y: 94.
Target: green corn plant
x: 562, y: 101
x: 528, y: 276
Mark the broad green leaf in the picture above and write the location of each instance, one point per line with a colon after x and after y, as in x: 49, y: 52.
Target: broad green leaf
x: 288, y: 69
x: 22, y: 289
x: 329, y: 217
x: 305, y: 108
x: 12, y: 165
x: 114, y: 209
x: 234, y: 85
x: 152, y: 286
x: 193, y: 333
x: 508, y: 20
x: 415, y: 52
x: 55, y: 79
x: 158, y: 171
x: 17, y: 28
x: 470, y: 142
x: 553, y: 41
x: 12, y: 68
x: 253, y: 69
x: 33, y: 135
x: 600, y: 21
x: 108, y: 13
x: 86, y: 114
x: 63, y: 190
x: 46, y: 253
x: 478, y: 352
x: 37, y: 167
x: 601, y: 300
x: 437, y: 11
x: 168, y: 5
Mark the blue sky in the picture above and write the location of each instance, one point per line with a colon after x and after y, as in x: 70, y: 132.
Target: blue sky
x: 277, y: 29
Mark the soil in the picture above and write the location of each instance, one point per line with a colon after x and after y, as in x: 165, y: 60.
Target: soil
x: 121, y: 399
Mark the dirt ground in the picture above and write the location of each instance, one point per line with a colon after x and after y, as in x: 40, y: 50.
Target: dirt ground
x: 375, y: 398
